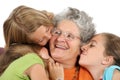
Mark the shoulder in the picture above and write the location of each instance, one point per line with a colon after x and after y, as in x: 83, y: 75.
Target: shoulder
x: 32, y: 56
x: 35, y: 68
x: 116, y: 75
x: 36, y: 71
x: 112, y: 68
x: 27, y: 61
x: 111, y: 71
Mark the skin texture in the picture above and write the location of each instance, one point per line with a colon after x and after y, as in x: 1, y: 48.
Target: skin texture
x: 60, y: 47
x: 116, y: 75
x: 37, y: 68
x: 88, y: 56
x: 42, y: 35
x: 95, y: 58
x: 28, y: 26
x: 64, y: 50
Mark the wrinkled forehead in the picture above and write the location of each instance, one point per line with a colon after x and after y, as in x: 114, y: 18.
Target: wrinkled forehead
x: 68, y: 26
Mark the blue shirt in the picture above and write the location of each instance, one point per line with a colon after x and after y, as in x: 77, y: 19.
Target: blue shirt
x: 108, y: 73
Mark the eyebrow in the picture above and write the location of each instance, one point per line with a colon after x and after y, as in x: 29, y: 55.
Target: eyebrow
x: 93, y: 41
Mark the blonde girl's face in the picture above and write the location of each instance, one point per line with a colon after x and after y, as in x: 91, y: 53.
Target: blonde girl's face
x: 42, y: 35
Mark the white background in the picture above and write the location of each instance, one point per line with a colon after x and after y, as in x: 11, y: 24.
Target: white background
x: 105, y: 13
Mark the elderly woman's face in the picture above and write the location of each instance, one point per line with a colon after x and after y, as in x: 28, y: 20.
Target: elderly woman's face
x: 65, y: 41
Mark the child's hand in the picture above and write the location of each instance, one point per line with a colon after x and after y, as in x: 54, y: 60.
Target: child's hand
x: 45, y: 55
x: 56, y: 71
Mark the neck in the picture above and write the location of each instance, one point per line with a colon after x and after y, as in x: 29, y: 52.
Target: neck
x: 68, y: 66
x: 96, y: 72
x: 68, y: 63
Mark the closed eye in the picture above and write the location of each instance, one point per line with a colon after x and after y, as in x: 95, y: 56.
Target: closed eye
x: 91, y: 45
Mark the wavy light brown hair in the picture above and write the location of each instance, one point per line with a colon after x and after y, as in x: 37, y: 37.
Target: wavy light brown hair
x: 112, y: 46
x: 22, y: 22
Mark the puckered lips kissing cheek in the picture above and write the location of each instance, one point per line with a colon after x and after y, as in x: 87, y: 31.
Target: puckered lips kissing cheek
x: 83, y: 54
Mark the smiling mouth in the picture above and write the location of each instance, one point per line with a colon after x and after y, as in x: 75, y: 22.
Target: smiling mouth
x: 61, y: 47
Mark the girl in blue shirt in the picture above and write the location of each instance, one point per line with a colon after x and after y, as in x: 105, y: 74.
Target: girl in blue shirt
x: 101, y: 57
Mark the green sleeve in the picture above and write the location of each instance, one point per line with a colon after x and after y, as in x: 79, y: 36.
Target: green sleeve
x: 16, y: 69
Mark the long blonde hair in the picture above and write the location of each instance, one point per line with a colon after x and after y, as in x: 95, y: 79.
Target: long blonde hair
x: 22, y: 22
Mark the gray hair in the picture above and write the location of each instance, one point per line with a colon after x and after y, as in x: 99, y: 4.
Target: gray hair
x: 82, y: 20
